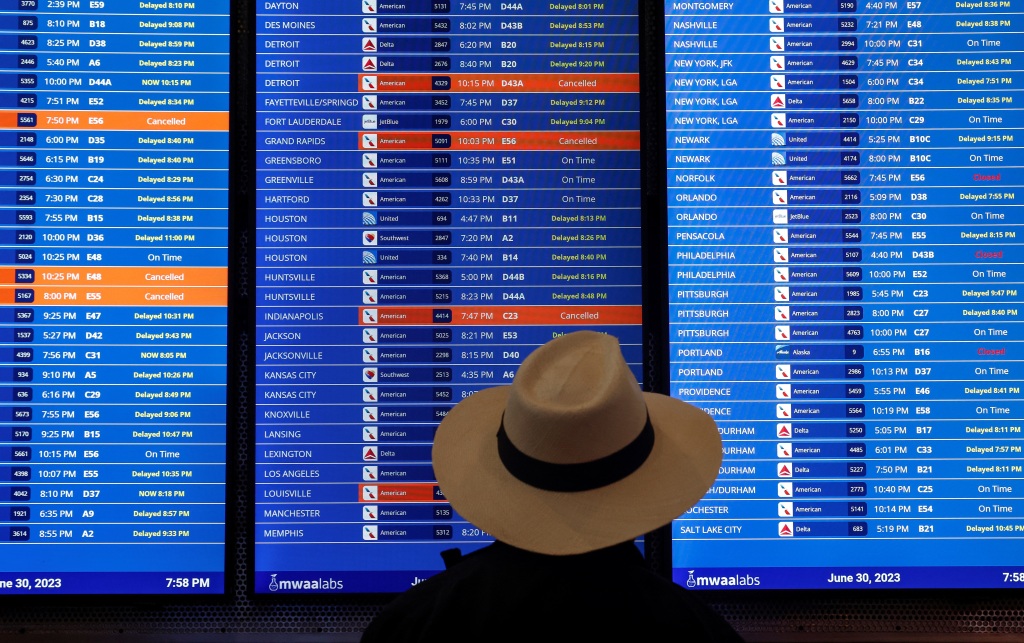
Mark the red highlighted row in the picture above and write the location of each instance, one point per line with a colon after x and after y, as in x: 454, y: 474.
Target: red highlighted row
x: 405, y: 492
x: 114, y: 296
x: 130, y: 121
x: 100, y: 276
x: 546, y: 141
x: 499, y: 315
x: 557, y: 83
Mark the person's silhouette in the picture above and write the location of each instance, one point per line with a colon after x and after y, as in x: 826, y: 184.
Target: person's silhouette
x: 565, y: 468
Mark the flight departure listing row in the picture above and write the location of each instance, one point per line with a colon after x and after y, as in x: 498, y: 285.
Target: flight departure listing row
x: 442, y: 187
x: 845, y: 273
x: 113, y: 255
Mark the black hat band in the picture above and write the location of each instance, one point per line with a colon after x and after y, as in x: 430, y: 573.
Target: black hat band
x: 577, y: 476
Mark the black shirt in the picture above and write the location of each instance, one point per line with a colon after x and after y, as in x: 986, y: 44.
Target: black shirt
x: 502, y: 593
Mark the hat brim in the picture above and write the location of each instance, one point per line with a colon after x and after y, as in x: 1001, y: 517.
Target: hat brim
x: 681, y: 468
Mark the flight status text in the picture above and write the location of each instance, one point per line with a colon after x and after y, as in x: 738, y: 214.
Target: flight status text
x: 845, y: 272
x: 113, y: 259
x: 443, y: 186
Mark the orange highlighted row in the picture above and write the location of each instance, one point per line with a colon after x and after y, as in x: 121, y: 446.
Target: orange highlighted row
x: 140, y: 121
x: 499, y: 315
x: 406, y: 492
x: 558, y: 83
x: 94, y: 277
x: 547, y: 141
x: 79, y: 295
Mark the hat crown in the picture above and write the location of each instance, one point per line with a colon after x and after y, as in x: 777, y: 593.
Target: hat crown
x: 574, y: 400
x: 573, y: 456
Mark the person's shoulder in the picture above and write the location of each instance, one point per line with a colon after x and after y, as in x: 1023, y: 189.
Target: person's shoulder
x: 678, y: 608
x: 399, y: 619
x: 590, y: 595
x: 417, y: 609
x: 663, y: 605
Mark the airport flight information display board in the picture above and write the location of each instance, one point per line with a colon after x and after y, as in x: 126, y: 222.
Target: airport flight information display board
x: 845, y: 266
x: 442, y: 187
x: 113, y: 241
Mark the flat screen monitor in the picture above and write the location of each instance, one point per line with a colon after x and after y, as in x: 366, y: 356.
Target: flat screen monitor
x: 113, y: 312
x: 844, y: 269
x: 442, y: 187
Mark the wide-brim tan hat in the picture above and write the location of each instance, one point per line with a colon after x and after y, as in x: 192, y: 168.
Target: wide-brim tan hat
x: 565, y: 461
